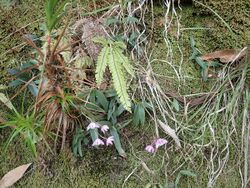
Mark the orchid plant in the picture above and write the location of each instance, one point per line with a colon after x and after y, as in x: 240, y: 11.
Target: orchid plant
x: 104, y: 112
x: 93, y: 126
x: 153, y: 147
x: 112, y: 117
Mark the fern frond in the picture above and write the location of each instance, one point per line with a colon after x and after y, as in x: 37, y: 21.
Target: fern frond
x: 102, y: 60
x: 120, y: 45
x: 101, y: 40
x: 119, y: 81
x: 124, y: 61
x: 113, y: 57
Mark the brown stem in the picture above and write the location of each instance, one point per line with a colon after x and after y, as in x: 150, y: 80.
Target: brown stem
x: 58, y: 41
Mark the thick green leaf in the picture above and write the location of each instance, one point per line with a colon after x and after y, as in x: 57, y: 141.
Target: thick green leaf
x: 78, y: 139
x: 117, y: 141
x: 93, y: 134
x: 93, y: 107
x: 202, y: 63
x: 195, y: 51
x: 102, y: 100
x: 176, y: 105
x: 136, y: 118
x: 192, y: 42
x: 105, y: 123
x: 13, y: 71
x: 110, y: 93
x: 33, y: 88
x: 132, y: 38
x: 119, y: 110
x: 131, y: 20
x: 16, y: 82
x: 80, y: 148
x: 92, y: 96
x: 141, y: 114
x: 204, y: 74
x: 112, y: 21
x: 183, y: 173
x: 111, y: 109
x: 28, y: 64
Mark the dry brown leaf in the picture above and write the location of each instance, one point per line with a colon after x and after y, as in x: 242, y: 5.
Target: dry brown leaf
x: 191, y: 102
x: 199, y: 100
x: 225, y: 56
x: 13, y: 176
x: 171, y: 132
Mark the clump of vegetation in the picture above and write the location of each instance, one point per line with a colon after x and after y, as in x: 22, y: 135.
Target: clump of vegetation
x: 58, y: 104
x: 121, y: 77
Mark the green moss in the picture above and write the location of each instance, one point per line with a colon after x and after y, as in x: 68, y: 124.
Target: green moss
x: 104, y: 168
x: 234, y: 13
x: 98, y: 168
x: 16, y: 21
x: 209, y: 33
x: 192, y: 26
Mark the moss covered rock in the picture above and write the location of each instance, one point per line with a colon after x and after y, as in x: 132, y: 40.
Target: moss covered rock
x: 235, y: 13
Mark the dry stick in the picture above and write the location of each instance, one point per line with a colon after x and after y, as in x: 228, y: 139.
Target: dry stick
x: 58, y: 41
x: 67, y: 46
x: 46, y: 97
x: 32, y: 44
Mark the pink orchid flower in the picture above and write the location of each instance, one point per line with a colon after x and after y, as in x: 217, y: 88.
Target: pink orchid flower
x: 104, y: 128
x: 109, y: 141
x: 150, y: 149
x: 92, y: 125
x: 155, y: 145
x: 160, y: 142
x: 98, y: 142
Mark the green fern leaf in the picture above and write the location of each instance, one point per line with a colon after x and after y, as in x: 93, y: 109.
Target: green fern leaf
x: 102, y: 60
x: 101, y: 40
x: 120, y: 45
x: 113, y: 57
x: 119, y: 81
x: 124, y: 61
